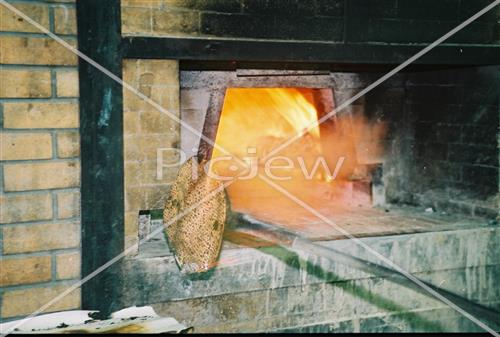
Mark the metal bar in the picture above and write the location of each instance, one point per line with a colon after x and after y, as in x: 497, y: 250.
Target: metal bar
x: 210, y: 126
x: 101, y: 130
x: 187, y: 48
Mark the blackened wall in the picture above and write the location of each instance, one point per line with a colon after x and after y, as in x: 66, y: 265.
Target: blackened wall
x: 358, y: 21
x: 442, y: 146
x: 414, y: 21
x: 456, y: 117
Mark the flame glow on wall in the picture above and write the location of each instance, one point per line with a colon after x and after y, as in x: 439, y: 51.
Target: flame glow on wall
x: 318, y: 166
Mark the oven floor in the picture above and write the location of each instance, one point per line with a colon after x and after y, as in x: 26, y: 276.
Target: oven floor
x: 359, y: 221
x: 368, y: 221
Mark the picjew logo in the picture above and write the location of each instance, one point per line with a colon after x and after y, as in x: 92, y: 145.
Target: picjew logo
x: 274, y: 167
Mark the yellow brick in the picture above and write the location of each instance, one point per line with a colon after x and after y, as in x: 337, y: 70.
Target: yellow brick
x: 130, y: 122
x: 25, y: 270
x: 35, y: 50
x: 156, y: 122
x: 40, y: 237
x: 140, y: 173
x: 17, y: 83
x: 25, y: 301
x: 142, y: 3
x: 65, y: 20
x: 131, y: 223
x: 39, y: 176
x: 21, y: 146
x: 145, y: 131
x: 40, y: 115
x: 135, y: 200
x: 68, y: 144
x: 145, y: 147
x: 25, y: 207
x: 67, y: 83
x: 130, y: 241
x: 146, y: 197
x: 136, y: 20
x: 131, y: 228
x: 156, y: 79
x: 178, y: 3
x: 10, y: 22
x: 179, y: 23
x: 68, y: 205
x: 68, y: 266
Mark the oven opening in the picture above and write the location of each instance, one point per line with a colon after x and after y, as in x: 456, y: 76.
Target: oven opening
x: 274, y: 134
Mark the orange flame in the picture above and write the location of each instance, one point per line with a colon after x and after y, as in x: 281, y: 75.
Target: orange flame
x: 254, y: 121
x: 251, y: 115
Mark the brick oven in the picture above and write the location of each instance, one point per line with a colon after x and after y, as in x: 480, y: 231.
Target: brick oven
x: 414, y: 161
x: 409, y: 204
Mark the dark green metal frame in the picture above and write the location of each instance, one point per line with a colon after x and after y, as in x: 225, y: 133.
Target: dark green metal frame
x: 101, y: 132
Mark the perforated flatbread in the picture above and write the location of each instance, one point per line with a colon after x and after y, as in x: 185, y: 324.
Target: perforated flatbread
x: 195, y: 235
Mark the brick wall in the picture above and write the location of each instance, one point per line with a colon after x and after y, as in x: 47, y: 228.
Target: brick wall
x: 442, y: 148
x: 387, y: 21
x: 40, y: 165
x: 145, y: 131
x: 457, y: 121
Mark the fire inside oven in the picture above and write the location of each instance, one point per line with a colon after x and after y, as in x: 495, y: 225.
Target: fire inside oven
x: 306, y: 165
x: 276, y: 133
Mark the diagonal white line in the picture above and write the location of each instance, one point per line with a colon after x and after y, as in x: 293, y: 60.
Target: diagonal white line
x: 117, y: 79
x: 382, y: 79
x: 113, y: 260
x: 344, y: 232
x: 380, y: 256
x: 142, y: 96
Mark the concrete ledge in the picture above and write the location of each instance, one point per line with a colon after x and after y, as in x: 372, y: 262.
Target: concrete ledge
x: 335, y: 306
x: 267, y: 282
